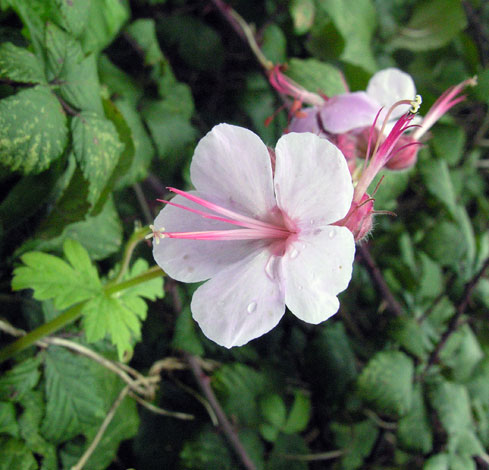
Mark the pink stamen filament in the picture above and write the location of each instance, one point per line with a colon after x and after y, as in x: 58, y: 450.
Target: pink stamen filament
x: 254, y: 229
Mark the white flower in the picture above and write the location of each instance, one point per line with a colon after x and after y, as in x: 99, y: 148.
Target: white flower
x: 262, y: 238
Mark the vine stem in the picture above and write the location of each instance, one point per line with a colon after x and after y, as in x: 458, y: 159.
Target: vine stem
x: 73, y: 313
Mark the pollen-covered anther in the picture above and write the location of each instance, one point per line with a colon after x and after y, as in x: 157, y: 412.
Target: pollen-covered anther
x: 415, y: 104
x: 156, y: 233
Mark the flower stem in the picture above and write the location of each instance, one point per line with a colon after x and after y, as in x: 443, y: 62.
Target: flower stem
x: 73, y: 313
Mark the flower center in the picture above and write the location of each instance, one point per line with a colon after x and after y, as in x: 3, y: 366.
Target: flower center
x: 250, y: 228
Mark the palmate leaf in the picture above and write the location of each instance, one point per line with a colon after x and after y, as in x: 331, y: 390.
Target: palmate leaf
x: 73, y: 15
x: 15, y: 383
x: 33, y: 130
x: 119, y: 316
x: 52, y: 278
x: 74, y: 403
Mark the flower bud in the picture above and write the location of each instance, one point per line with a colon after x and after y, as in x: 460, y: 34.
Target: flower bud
x: 359, y: 219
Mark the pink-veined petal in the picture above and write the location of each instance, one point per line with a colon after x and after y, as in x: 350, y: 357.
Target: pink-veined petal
x: 239, y: 303
x: 312, y: 183
x: 316, y: 268
x: 232, y: 165
x: 195, y: 260
x: 343, y: 113
x: 389, y: 86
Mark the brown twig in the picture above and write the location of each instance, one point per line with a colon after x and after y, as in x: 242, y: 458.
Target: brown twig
x: 226, y: 427
x: 382, y: 287
x: 455, y: 320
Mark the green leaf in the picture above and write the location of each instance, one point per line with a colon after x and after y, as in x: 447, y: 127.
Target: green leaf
x: 274, y: 44
x: 451, y: 402
x: 437, y: 462
x: 124, y: 424
x: 100, y: 235
x: 97, y: 149
x: 15, y: 383
x: 8, y: 422
x: 356, y: 21
x: 33, y: 130
x: 302, y: 13
x: 299, y: 414
x: 105, y: 19
x: 52, y: 278
x: 357, y: 440
x: 414, y: 430
x: 288, y: 444
x: 75, y: 74
x: 433, y: 24
x: 238, y: 387
x: 448, y: 143
x: 386, y: 382
x: 72, y: 15
x: 120, y: 316
x: 72, y: 402
x: 207, y: 451
x: 445, y: 243
x: 431, y: 280
x: 409, y: 334
x: 20, y: 65
x: 16, y: 455
x: 316, y: 76
x: 273, y: 410
x: 143, y: 31
x: 436, y: 177
x: 185, y: 336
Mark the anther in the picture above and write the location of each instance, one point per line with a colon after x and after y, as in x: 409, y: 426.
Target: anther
x: 415, y: 104
x: 156, y: 233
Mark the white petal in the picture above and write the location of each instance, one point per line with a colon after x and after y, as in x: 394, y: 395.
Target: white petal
x: 240, y: 303
x: 343, y: 113
x: 195, y: 260
x: 232, y: 165
x: 312, y: 183
x: 316, y: 268
x: 391, y: 85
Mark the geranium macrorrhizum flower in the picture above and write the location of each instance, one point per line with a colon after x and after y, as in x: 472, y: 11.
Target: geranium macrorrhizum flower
x: 261, y: 236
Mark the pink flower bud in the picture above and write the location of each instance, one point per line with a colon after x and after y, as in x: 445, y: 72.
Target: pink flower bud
x: 405, y: 154
x: 359, y: 219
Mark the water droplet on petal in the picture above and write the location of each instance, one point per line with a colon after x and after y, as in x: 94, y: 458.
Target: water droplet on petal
x: 293, y: 253
x: 251, y: 307
x: 270, y: 267
x: 311, y: 221
x: 332, y: 234
x: 301, y: 287
x: 317, y: 231
x: 303, y: 246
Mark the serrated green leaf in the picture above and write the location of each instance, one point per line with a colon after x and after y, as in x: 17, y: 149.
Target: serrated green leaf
x: 410, y: 335
x: 386, y: 382
x: 16, y: 455
x: 448, y: 143
x: 15, y: 383
x: 414, y: 429
x: 73, y: 15
x: 97, y: 149
x: 124, y: 424
x: 105, y: 19
x: 143, y: 31
x: 52, y: 278
x: 268, y: 432
x: 185, y: 336
x: 29, y: 423
x: 273, y: 409
x: 33, y: 130
x: 357, y: 440
x: 445, y: 243
x: 20, y: 65
x: 316, y: 76
x: 72, y: 402
x: 451, y: 402
x: 355, y: 20
x: 302, y: 13
x: 120, y: 316
x: 433, y: 24
x: 299, y: 414
x: 238, y: 387
x: 8, y: 422
x: 431, y: 280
